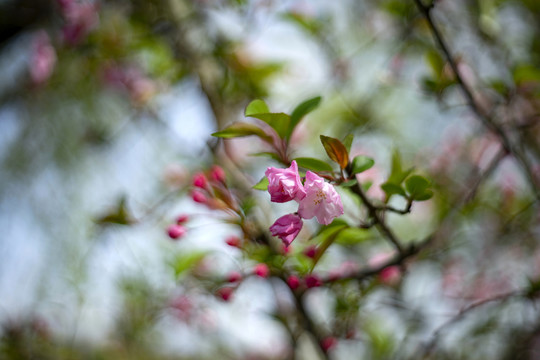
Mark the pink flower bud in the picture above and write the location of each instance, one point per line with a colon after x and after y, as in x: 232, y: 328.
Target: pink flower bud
x: 321, y: 200
x: 182, y: 219
x: 199, y: 180
x: 217, y: 174
x: 293, y: 281
x: 328, y: 342
x: 287, y: 228
x: 261, y: 270
x: 43, y: 58
x: 233, y: 241
x: 225, y: 293
x: 284, y: 184
x: 310, y: 251
x: 176, y: 231
x: 234, y: 276
x: 199, y: 197
x: 312, y: 281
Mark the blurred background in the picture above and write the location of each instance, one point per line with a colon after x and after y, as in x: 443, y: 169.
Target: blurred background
x: 106, y: 111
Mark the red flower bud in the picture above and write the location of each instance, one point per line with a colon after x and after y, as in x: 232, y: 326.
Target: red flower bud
x: 328, y: 342
x: 293, y: 282
x: 182, y: 219
x: 199, y: 180
x: 234, y: 276
x: 262, y: 270
x: 313, y: 281
x: 225, y: 293
x: 233, y: 241
x: 176, y: 231
x: 198, y: 197
x: 217, y: 174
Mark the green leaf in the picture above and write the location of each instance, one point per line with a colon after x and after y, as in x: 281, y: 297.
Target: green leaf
x: 313, y: 164
x: 241, y: 129
x: 278, y: 121
x: 335, y: 150
x: 351, y: 236
x: 302, y: 110
x: 361, y: 163
x: 392, y: 189
x: 349, y: 183
x: 183, y: 262
x: 256, y: 107
x: 262, y: 184
x: 347, y: 142
x: 436, y: 62
x: 120, y: 215
x: 416, y: 184
x: 426, y: 195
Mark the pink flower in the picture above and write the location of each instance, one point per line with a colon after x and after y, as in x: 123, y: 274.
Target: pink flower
x: 176, y: 231
x: 321, y: 200
x: 287, y: 228
x: 262, y: 270
x: 43, y: 58
x: 284, y: 184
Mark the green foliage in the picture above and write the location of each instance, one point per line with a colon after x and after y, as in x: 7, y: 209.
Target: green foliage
x: 182, y: 262
x: 417, y: 188
x: 361, y: 163
x: 262, y: 184
x: 300, y: 111
x: 241, y: 129
x: 313, y: 164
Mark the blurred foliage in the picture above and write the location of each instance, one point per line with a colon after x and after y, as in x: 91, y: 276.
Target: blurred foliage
x: 425, y: 187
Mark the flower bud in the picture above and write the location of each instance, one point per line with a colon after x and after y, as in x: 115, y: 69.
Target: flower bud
x: 176, y: 231
x: 218, y: 174
x: 234, y: 276
x: 182, y: 219
x: 198, y: 197
x: 287, y: 228
x: 233, y: 241
x: 293, y: 281
x: 199, y: 180
x: 312, y: 281
x: 225, y: 293
x: 262, y: 270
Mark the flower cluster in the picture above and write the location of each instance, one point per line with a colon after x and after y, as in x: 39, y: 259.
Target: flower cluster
x: 316, y: 198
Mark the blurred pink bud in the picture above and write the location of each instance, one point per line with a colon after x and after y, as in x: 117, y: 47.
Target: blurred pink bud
x: 284, y: 184
x: 175, y: 175
x: 312, y: 281
x: 225, y: 293
x: 199, y: 180
x: 234, y: 276
x: 310, y: 251
x: 199, y: 197
x: 293, y: 281
x: 218, y: 174
x: 328, y: 343
x: 261, y: 270
x: 43, y: 58
x: 233, y: 241
x: 182, y: 219
x: 321, y: 200
x: 389, y: 275
x: 287, y: 228
x: 81, y: 18
x: 182, y: 306
x: 176, y: 231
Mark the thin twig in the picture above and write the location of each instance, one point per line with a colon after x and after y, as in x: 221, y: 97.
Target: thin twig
x: 484, y: 118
